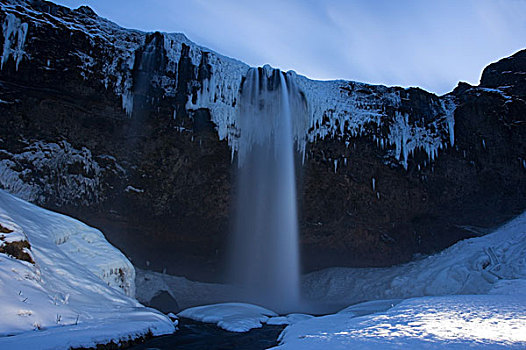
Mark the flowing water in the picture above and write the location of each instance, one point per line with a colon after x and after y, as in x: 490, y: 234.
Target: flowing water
x: 265, y: 258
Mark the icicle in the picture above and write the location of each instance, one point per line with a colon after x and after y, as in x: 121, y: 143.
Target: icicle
x: 15, y: 33
x: 449, y: 108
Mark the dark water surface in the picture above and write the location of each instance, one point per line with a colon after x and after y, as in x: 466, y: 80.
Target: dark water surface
x: 194, y: 335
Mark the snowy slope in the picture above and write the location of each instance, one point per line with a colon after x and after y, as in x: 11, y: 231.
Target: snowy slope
x: 493, y: 267
x: 471, y: 266
x: 77, y: 293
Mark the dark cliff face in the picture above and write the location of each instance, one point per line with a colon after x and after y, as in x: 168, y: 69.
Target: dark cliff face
x: 109, y: 125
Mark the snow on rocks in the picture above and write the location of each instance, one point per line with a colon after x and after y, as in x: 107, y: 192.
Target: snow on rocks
x: 509, y: 287
x: 335, y: 108
x: 220, y: 94
x: 233, y: 317
x: 78, y: 292
x: 185, y: 292
x: 79, y: 173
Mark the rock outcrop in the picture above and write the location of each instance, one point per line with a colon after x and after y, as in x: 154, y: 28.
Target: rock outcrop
x: 137, y: 133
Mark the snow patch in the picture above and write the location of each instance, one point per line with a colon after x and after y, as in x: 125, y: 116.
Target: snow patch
x: 233, y: 317
x: 130, y: 188
x: 187, y: 293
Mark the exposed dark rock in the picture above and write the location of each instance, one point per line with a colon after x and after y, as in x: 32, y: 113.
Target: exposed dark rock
x: 164, y: 302
x: 108, y: 125
x: 19, y: 249
x: 5, y: 229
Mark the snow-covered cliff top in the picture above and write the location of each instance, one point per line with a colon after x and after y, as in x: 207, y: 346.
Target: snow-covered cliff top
x: 336, y: 109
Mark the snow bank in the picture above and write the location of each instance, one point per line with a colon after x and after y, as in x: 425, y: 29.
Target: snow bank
x: 233, y: 317
x: 78, y: 292
x: 452, y: 322
x: 471, y: 266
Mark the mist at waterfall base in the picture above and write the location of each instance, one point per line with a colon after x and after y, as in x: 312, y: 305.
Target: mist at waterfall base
x: 264, y: 251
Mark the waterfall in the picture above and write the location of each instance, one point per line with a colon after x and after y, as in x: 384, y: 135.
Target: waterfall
x: 265, y: 258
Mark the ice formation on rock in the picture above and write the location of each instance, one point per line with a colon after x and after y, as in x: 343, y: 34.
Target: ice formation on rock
x: 336, y: 109
x: 78, y: 172
x: 15, y: 33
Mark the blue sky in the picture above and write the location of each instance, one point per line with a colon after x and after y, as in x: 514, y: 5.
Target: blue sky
x: 430, y: 44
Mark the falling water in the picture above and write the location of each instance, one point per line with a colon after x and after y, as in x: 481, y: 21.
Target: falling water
x: 265, y: 248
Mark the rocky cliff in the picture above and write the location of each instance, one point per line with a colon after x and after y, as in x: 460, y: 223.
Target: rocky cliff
x: 138, y: 134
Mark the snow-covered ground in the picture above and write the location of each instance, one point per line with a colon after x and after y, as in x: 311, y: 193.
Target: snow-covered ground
x: 470, y: 295
x: 79, y: 290
x: 446, y: 322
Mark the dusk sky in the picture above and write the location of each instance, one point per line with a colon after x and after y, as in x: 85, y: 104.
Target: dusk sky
x: 430, y: 44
